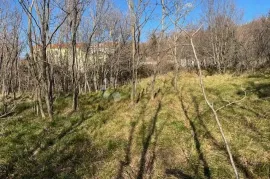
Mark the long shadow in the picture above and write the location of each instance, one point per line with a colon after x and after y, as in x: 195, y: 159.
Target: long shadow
x: 127, y: 160
x: 157, y: 132
x: 252, y: 127
x: 41, y: 145
x: 150, y: 166
x: 260, y: 114
x: 151, y: 161
x: 206, y: 168
x: 146, y: 142
x: 133, y: 125
x: 63, y: 162
x: 50, y: 142
x: 242, y: 167
x: 257, y: 114
x: 124, y: 163
x: 255, y: 134
x: 262, y: 90
x: 178, y: 174
x: 147, y: 166
x: 53, y: 160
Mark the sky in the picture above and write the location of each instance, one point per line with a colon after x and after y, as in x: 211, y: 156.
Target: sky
x: 251, y: 9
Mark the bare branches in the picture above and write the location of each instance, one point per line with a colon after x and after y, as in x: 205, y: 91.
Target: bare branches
x: 25, y: 8
x: 233, y: 102
x: 211, y: 105
x: 8, y: 113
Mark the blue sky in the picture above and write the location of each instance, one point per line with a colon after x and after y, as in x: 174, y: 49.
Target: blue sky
x: 252, y: 9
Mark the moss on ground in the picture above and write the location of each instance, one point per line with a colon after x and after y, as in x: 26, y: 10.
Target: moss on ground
x: 172, y: 136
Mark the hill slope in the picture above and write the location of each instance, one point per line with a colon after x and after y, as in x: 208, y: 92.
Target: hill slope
x: 172, y: 136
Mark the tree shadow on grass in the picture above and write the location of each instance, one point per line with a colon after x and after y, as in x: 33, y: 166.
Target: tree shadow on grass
x: 260, y: 76
x: 124, y: 163
x: 52, y: 141
x: 64, y: 160
x: 145, y: 165
x: 149, y: 134
x: 196, y: 139
x: 257, y: 111
x: 251, y: 130
x: 239, y: 164
x: 259, y: 115
x: 262, y: 90
x: 146, y: 145
x: 178, y: 174
x: 49, y: 158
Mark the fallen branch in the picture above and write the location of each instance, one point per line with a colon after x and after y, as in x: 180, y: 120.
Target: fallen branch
x: 211, y: 106
x: 233, y: 102
x: 8, y: 113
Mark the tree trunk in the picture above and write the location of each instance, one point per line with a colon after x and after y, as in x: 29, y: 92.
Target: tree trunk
x: 212, y: 108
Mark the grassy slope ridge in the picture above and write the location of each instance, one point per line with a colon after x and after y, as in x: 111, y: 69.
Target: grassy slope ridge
x: 172, y: 136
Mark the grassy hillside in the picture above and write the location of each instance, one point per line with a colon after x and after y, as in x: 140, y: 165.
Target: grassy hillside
x: 172, y: 136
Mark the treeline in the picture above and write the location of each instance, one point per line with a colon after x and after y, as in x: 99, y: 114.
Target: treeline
x: 77, y: 46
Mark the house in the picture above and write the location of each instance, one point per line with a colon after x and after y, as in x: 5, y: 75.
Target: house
x: 61, y: 54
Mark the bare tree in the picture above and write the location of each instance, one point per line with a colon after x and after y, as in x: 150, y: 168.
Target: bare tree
x: 177, y: 12
x: 211, y: 106
x: 42, y: 22
x: 260, y: 42
x: 133, y: 32
x: 76, y: 11
x: 220, y: 17
x: 158, y: 46
x: 140, y: 13
x: 10, y: 49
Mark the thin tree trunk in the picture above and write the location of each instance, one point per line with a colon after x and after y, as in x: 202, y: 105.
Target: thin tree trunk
x: 176, y: 70
x: 40, y: 102
x: 75, y: 74
x: 212, y: 108
x: 133, y: 33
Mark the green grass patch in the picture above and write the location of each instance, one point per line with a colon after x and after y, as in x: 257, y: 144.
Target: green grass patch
x: 172, y: 136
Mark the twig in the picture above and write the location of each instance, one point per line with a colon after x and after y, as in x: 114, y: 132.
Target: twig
x: 8, y: 113
x: 233, y: 102
x: 211, y: 106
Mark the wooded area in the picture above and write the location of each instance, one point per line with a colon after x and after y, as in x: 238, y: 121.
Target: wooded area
x: 223, y: 45
x: 55, y: 48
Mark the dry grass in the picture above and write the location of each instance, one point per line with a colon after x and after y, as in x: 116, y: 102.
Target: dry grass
x: 172, y: 136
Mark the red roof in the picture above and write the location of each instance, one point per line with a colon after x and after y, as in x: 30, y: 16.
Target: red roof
x: 80, y: 45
